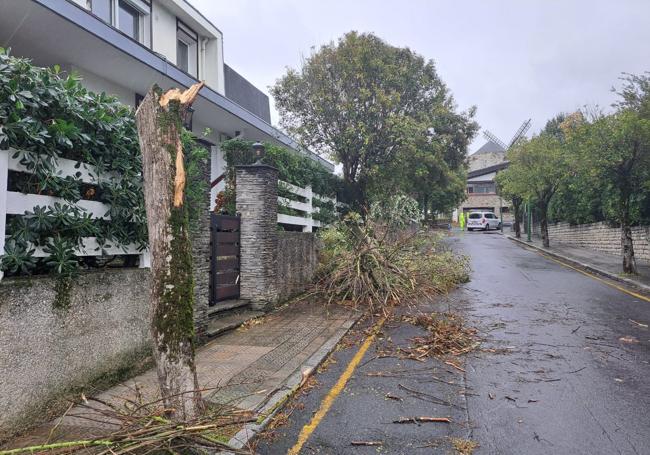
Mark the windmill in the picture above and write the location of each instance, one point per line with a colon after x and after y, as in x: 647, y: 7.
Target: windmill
x: 518, y: 135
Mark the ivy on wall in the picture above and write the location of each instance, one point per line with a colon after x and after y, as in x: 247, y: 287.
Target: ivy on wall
x: 47, y: 115
x: 294, y: 168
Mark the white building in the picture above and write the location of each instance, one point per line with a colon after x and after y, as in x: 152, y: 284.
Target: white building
x: 122, y: 47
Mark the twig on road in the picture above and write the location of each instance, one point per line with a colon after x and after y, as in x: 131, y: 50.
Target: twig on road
x: 402, y: 420
x: 367, y: 443
x: 428, y: 397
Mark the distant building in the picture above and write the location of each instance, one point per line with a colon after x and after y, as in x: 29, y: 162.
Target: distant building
x: 483, y: 166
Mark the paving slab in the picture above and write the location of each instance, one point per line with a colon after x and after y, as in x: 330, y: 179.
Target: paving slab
x: 252, y: 368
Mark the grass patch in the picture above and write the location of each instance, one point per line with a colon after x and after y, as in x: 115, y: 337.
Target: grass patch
x: 463, y: 446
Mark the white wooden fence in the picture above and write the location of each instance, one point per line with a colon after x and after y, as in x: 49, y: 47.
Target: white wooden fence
x: 15, y: 203
x: 306, y: 222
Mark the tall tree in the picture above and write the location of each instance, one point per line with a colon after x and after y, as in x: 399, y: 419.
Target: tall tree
x: 367, y: 104
x: 159, y: 119
x: 537, y: 169
x: 507, y: 189
x: 616, y: 154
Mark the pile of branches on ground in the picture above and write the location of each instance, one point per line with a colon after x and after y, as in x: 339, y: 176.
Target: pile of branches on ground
x: 138, y: 428
x: 365, y: 262
x: 447, y: 334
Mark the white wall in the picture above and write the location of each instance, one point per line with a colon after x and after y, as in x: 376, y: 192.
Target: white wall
x: 98, y: 84
x: 213, y: 65
x: 210, y: 47
x: 164, y: 32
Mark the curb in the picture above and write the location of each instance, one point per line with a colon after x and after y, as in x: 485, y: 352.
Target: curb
x: 582, y: 265
x: 276, y: 401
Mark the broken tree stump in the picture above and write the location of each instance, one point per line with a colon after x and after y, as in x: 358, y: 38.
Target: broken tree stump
x: 159, y: 119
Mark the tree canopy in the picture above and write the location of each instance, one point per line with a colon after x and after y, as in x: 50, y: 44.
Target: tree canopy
x: 383, y: 113
x: 590, y: 166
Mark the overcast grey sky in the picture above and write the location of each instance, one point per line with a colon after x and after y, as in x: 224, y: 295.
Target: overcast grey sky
x: 514, y: 59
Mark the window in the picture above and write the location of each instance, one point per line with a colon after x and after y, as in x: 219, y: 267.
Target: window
x: 138, y: 100
x: 182, y: 55
x: 187, y: 49
x: 102, y: 9
x: 483, y: 187
x: 129, y: 20
x: 131, y: 17
x: 474, y: 216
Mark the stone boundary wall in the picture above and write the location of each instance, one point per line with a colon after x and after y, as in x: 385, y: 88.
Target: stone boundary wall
x: 46, y: 353
x: 297, y: 262
x: 600, y: 237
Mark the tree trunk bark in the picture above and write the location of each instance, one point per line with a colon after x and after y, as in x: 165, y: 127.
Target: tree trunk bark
x: 627, y: 245
x: 159, y: 120
x: 543, y: 223
x: 516, y: 206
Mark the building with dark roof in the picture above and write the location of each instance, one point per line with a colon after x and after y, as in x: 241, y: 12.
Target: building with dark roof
x: 483, y: 166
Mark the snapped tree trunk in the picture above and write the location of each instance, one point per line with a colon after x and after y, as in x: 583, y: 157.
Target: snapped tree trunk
x: 627, y: 245
x: 159, y: 120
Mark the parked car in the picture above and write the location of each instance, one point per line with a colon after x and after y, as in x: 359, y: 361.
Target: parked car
x: 483, y: 220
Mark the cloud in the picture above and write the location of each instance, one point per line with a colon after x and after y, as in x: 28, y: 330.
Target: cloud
x: 513, y: 59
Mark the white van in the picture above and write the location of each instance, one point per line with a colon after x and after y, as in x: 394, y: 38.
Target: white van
x: 483, y: 220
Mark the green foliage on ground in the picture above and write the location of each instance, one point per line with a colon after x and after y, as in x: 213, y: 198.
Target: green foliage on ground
x: 383, y: 113
x: 397, y: 211
x: 376, y: 266
x: 47, y: 115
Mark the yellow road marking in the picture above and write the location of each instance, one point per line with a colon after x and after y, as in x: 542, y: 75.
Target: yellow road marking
x: 608, y: 283
x: 334, y: 392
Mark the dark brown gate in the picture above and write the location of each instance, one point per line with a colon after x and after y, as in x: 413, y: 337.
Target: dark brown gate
x: 224, y: 276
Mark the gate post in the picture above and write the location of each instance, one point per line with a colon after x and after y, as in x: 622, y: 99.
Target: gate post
x: 257, y: 204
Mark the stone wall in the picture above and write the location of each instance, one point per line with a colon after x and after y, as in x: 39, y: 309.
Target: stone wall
x: 478, y: 161
x: 46, y: 353
x: 600, y: 237
x: 297, y: 262
x: 200, y: 237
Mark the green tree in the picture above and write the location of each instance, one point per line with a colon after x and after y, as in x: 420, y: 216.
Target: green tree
x: 506, y: 190
x: 537, y: 169
x: 615, y: 153
x: 370, y: 106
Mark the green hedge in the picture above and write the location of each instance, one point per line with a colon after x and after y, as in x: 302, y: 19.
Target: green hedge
x: 294, y: 168
x: 47, y: 115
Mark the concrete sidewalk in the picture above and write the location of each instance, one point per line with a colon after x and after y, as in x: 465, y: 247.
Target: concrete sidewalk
x: 253, y: 368
x: 601, y: 263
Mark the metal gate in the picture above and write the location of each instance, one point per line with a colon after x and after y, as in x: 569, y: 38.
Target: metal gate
x: 224, y: 260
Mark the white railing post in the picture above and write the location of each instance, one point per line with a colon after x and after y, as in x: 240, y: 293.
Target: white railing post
x: 145, y: 260
x: 4, y: 177
x: 309, y: 221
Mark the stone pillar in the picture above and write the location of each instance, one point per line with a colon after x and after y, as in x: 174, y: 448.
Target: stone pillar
x: 257, y: 203
x: 201, y: 246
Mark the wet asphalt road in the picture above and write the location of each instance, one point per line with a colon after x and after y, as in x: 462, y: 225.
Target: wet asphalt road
x: 552, y: 377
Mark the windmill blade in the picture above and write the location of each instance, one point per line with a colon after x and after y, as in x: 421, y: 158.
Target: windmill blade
x: 491, y: 137
x: 520, y: 132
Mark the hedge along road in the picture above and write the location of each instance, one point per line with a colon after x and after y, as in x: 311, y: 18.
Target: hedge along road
x: 564, y: 368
